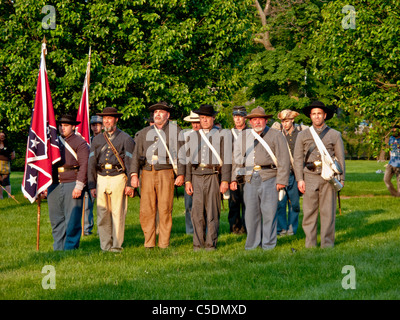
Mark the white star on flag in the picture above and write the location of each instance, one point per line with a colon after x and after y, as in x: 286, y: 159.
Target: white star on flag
x: 34, y: 143
x: 32, y: 179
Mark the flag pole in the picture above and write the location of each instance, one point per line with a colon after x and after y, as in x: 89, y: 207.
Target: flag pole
x: 38, y: 200
x: 38, y: 223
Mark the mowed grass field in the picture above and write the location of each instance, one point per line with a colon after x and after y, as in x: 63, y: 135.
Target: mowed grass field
x: 367, y: 239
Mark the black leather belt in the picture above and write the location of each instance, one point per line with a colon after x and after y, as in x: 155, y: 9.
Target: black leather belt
x: 206, y: 166
x: 64, y: 169
x: 108, y: 166
x: 258, y: 168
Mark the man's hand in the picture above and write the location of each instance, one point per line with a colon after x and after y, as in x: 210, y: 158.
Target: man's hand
x: 93, y: 193
x: 301, y: 185
x: 130, y: 192
x: 189, y: 188
x: 76, y: 193
x: 279, y: 186
x: 135, y: 181
x: 224, y: 187
x: 179, y: 180
x: 233, y: 186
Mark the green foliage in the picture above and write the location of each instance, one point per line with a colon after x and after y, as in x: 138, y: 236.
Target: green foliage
x: 361, y: 64
x: 278, y: 79
x: 182, y: 51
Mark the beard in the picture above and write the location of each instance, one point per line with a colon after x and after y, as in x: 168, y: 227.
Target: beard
x: 258, y: 129
x: 109, y: 129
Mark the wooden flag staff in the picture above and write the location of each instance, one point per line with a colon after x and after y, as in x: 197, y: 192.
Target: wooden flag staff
x: 38, y: 223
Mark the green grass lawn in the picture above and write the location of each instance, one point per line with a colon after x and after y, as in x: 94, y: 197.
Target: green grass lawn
x: 367, y: 238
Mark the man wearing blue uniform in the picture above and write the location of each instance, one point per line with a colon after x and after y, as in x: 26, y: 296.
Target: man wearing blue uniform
x: 393, y: 167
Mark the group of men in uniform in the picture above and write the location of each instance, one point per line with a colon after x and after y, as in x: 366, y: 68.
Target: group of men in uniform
x: 260, y: 169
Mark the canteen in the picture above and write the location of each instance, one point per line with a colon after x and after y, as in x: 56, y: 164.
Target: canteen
x: 336, y: 184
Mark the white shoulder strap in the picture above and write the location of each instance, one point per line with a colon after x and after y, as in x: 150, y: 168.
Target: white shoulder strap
x: 175, y: 167
x: 71, y: 151
x: 211, y: 147
x: 320, y: 145
x: 328, y: 166
x: 234, y: 133
x: 265, y: 145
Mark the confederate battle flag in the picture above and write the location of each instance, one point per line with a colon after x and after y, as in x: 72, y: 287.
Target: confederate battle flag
x: 42, y: 149
x: 83, y: 112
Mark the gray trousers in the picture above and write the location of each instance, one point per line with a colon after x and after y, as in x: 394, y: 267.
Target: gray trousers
x: 319, y: 195
x: 206, y: 210
x: 261, y: 199
x: 65, y: 216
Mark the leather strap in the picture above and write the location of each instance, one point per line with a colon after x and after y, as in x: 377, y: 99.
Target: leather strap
x: 114, y: 151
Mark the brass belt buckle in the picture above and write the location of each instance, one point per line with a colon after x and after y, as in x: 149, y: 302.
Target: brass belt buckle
x: 108, y: 166
x: 154, y: 159
x: 318, y: 163
x: 61, y: 169
x: 202, y: 165
x: 257, y: 168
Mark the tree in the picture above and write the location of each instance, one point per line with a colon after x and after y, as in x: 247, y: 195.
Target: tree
x: 356, y: 53
x: 277, y: 74
x: 185, y: 52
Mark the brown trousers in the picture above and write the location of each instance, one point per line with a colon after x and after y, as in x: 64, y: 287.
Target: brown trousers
x: 319, y: 195
x: 157, y: 192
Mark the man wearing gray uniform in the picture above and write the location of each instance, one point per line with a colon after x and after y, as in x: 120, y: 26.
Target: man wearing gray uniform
x: 156, y: 149
x: 261, y: 154
x: 96, y: 125
x: 236, y: 203
x: 318, y: 192
x: 208, y: 149
x: 109, y: 161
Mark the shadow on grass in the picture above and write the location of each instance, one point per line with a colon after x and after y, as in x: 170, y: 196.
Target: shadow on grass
x: 363, y: 177
x: 356, y: 225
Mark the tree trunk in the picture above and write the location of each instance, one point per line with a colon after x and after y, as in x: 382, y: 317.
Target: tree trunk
x: 264, y: 37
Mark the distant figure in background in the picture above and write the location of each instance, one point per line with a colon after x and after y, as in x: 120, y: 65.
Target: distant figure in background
x: 236, y: 223
x: 194, y: 119
x: 288, y: 222
x: 96, y: 125
x: 393, y: 167
x: 6, y: 155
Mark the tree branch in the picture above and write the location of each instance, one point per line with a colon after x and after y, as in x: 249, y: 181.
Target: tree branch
x: 263, y: 16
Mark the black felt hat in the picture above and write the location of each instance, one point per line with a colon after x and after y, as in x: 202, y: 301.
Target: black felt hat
x: 330, y: 111
x: 69, y: 119
x: 206, y: 110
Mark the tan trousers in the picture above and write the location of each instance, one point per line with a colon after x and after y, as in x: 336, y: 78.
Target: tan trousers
x: 157, y: 192
x: 112, y: 205
x: 319, y: 195
x: 389, y: 173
